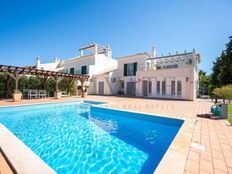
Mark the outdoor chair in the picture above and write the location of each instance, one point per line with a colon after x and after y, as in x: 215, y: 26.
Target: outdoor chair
x: 47, y: 94
x: 25, y: 93
x: 42, y: 94
x: 33, y: 93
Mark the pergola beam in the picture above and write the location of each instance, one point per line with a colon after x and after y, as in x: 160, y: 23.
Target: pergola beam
x: 34, y: 71
x: 15, y: 72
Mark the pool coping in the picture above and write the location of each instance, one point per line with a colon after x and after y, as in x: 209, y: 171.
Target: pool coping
x: 173, y: 160
x: 13, y: 148
x: 52, y: 102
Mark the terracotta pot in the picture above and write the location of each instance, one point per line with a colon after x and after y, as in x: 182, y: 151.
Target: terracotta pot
x: 17, y: 97
x: 57, y: 95
x: 84, y: 94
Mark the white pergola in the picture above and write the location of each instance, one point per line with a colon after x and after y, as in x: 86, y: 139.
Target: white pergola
x: 172, y: 58
x: 94, y: 48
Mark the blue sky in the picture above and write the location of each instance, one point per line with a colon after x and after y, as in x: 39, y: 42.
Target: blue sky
x: 55, y: 28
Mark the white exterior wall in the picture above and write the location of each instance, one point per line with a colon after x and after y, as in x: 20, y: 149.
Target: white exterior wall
x: 96, y: 63
x: 188, y: 92
x: 78, y: 62
x: 139, y: 58
x: 107, y: 85
x: 104, y: 63
x: 53, y: 66
x: 103, y: 68
x: 110, y: 83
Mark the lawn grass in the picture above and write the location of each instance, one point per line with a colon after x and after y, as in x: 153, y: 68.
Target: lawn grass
x: 230, y: 109
x: 230, y: 113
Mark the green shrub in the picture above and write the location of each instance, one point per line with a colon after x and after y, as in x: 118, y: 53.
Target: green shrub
x: 64, y: 86
x: 33, y: 82
x: 230, y: 109
x: 225, y: 92
x: 50, y: 87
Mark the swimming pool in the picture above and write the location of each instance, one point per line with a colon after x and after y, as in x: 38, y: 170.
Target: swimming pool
x: 76, y: 137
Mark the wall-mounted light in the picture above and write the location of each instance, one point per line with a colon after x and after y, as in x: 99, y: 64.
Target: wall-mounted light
x: 187, y: 79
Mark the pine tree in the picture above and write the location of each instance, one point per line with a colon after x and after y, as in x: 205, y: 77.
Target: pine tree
x: 222, y: 67
x: 215, y: 81
x: 228, y: 62
x: 223, y: 70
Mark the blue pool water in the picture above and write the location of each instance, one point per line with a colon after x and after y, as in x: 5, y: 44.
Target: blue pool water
x: 77, y: 138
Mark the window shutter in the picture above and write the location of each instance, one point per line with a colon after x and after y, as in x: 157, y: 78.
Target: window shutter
x: 135, y: 68
x: 72, y: 70
x: 125, y: 69
x: 83, y: 69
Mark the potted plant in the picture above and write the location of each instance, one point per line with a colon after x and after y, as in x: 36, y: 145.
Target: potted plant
x: 85, y: 90
x: 17, y: 95
x: 79, y: 90
x: 58, y: 94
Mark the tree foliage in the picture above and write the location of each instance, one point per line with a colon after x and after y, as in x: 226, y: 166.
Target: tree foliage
x: 222, y: 67
x: 204, y: 82
x: 225, y: 92
x: 64, y: 86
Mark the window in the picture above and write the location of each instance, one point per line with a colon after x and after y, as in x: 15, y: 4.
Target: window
x: 84, y: 70
x: 158, y: 87
x: 163, y: 87
x: 149, y: 87
x: 130, y: 69
x: 170, y: 66
x: 179, y: 87
x: 173, y: 91
x: 72, y: 70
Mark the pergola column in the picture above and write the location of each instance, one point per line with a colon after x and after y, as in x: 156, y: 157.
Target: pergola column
x: 16, y: 81
x: 8, y: 86
x: 83, y: 80
x: 57, y: 79
x: 70, y: 81
x: 16, y: 77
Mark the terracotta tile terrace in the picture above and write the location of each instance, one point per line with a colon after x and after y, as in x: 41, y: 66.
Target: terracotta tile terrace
x: 214, y: 135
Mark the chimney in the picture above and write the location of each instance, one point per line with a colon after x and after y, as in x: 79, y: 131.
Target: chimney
x: 38, y: 62
x: 153, y: 54
x: 56, y: 60
x: 81, y: 52
x: 95, y: 49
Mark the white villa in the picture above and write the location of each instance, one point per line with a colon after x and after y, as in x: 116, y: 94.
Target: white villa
x: 141, y: 74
